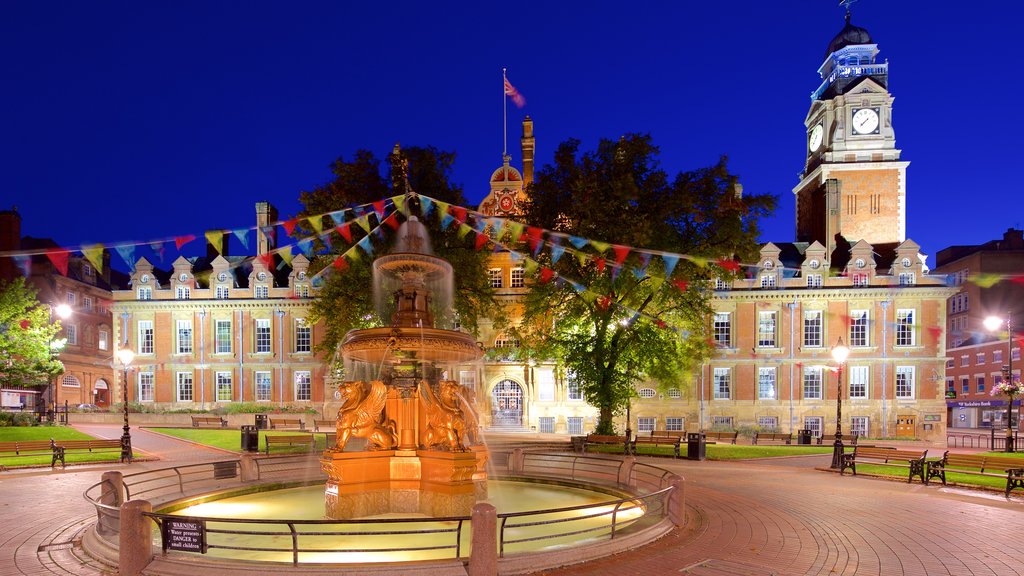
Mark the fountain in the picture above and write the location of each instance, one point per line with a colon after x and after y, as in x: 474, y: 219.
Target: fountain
x: 423, y: 452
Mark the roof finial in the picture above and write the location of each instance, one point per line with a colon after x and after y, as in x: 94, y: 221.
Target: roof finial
x: 846, y: 4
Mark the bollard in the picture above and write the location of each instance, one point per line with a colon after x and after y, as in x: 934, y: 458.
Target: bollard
x: 483, y: 558
x: 136, y: 540
x: 626, y: 472
x: 677, y: 501
x: 111, y: 494
x: 515, y: 465
x: 247, y: 468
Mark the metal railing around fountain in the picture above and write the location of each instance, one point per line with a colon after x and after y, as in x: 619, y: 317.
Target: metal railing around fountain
x: 651, y: 488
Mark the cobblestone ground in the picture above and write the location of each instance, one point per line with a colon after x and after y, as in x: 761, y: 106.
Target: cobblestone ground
x: 756, y: 518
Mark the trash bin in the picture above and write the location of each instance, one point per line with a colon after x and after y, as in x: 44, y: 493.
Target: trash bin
x: 250, y: 438
x: 696, y: 446
x: 261, y: 421
x: 804, y: 436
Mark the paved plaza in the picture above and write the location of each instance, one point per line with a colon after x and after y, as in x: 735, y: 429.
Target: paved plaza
x: 772, y: 516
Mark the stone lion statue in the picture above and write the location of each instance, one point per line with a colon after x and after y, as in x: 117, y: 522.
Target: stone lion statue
x: 362, y: 416
x: 446, y: 423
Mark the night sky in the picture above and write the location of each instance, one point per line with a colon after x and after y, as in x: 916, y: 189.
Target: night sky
x: 133, y: 121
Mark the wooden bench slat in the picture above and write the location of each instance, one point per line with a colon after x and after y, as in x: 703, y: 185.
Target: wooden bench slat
x: 276, y: 423
x: 198, y: 421
x: 979, y: 465
x: 914, y: 460
x: 291, y: 439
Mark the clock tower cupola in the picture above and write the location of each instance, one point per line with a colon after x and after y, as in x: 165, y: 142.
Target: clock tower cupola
x: 854, y: 182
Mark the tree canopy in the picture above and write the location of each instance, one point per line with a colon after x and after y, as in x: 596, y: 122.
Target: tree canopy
x: 642, y: 324
x: 346, y: 301
x: 28, y: 343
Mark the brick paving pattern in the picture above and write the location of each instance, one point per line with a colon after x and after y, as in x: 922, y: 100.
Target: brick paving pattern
x: 765, y: 517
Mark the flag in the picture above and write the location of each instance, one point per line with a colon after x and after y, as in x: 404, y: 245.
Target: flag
x: 94, y: 253
x: 512, y: 93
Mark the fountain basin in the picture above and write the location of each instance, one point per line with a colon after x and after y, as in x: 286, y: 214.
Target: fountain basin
x: 433, y: 345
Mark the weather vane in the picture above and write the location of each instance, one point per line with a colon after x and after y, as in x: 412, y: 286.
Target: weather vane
x: 846, y: 4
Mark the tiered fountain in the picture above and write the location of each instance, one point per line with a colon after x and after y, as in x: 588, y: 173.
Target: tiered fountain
x: 422, y: 449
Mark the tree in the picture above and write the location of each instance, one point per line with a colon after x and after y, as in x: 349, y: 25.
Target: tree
x: 28, y: 347
x: 345, y: 301
x: 633, y: 323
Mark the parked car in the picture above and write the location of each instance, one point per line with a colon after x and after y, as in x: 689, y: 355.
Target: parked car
x: 87, y: 408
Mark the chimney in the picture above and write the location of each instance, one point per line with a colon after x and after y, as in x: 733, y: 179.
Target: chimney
x: 1013, y: 239
x: 527, y: 143
x: 265, y: 216
x: 10, y: 239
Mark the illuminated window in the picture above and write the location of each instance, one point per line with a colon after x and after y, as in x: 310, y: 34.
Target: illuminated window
x: 145, y: 336
x: 262, y: 291
x: 104, y: 340
x: 224, y: 387
x: 766, y: 329
x: 71, y: 333
x: 766, y: 383
x: 860, y: 280
x: 814, y: 281
x: 182, y: 293
x: 907, y: 279
x: 303, y: 336
x: 145, y: 387
x: 518, y: 278
x: 145, y: 293
x: 812, y: 383
x: 905, y: 328
x: 812, y: 328
x: 184, y: 337
x: 721, y: 284
x: 723, y: 329
x: 222, y: 293
x: 71, y: 299
x: 574, y: 388
x: 70, y: 381
x: 858, y: 378
x: 303, y: 385
x: 494, y: 277
x: 858, y: 328
x: 768, y: 281
x: 87, y: 303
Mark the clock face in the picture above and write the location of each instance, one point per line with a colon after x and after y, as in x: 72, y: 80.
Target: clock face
x: 817, y: 133
x: 865, y: 121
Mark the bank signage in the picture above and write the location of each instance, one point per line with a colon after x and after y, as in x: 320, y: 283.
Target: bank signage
x: 979, y: 403
x: 187, y: 535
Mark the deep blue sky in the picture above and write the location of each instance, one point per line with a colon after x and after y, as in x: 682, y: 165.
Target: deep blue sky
x: 142, y: 120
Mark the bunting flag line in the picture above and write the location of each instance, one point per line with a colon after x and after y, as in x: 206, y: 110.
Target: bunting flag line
x: 24, y: 263
x: 94, y: 254
x: 243, y: 236
x: 180, y: 241
x: 216, y: 239
x: 289, y: 225
x: 158, y: 249
x: 127, y: 253
x: 59, y: 258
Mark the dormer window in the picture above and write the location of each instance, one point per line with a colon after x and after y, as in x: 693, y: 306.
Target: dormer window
x: 222, y: 292
x: 182, y: 293
x: 768, y: 264
x: 262, y: 291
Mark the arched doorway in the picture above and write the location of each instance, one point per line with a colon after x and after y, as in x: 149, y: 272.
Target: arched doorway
x: 100, y: 394
x: 507, y: 404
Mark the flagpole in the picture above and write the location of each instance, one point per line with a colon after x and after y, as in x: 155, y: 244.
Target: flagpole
x: 504, y: 115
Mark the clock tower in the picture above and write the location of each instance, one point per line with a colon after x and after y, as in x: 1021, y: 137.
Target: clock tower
x: 853, y: 183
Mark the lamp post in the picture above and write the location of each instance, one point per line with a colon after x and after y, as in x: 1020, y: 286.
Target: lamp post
x: 839, y: 354
x: 993, y: 323
x: 125, y: 357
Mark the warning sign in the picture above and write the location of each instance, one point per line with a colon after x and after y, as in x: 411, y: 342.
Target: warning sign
x: 188, y: 535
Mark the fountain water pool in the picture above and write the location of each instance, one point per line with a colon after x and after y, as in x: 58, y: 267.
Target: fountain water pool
x: 360, y: 542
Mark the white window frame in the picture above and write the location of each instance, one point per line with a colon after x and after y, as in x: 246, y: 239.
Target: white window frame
x: 814, y: 424
x: 182, y: 292
x: 573, y: 389
x: 146, y: 345
x: 646, y: 424
x: 813, y: 336
x: 674, y: 393
x: 494, y: 278
x: 907, y: 279
x: 575, y: 424
x: 184, y: 381
x: 860, y: 336
x: 222, y: 345
x: 303, y: 336
x: 70, y: 381
x: 72, y: 299
x: 222, y: 292
x: 767, y: 384
x: 858, y: 381
x: 517, y: 277
x: 71, y: 333
x: 813, y: 378
x: 263, y: 381
x: 146, y: 387
x: 224, y: 391
x: 722, y: 422
x: 675, y: 423
x: 546, y: 424
x: 905, y: 335
x: 768, y: 422
x: 906, y: 382
x: 722, y: 383
x: 722, y: 329
x: 814, y: 281
x: 263, y: 337
x: 103, y: 342
x: 647, y: 393
x: 860, y: 425
x: 261, y: 291
x: 183, y: 337
x: 767, y: 323
x: 768, y: 280
x: 860, y: 280
x: 303, y: 380
x: 145, y: 293
x: 87, y: 303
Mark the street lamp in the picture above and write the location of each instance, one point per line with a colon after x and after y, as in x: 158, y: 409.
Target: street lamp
x: 125, y: 357
x: 839, y: 354
x: 993, y: 323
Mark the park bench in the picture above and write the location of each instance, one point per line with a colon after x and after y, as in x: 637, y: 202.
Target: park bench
x: 762, y: 437
x: 23, y: 448
x: 669, y: 433
x: 215, y: 421
x: 283, y: 423
x: 672, y: 441
x: 913, y: 460
x: 62, y: 447
x: 328, y: 425
x: 290, y: 439
x: 721, y: 436
x: 979, y: 465
x: 848, y: 439
x: 607, y: 439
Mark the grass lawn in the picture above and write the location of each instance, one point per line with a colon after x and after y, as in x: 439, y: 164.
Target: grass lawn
x: 722, y: 451
x: 15, y: 433
x: 232, y: 439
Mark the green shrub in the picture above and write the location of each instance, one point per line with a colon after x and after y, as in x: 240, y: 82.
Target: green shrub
x: 261, y: 408
x: 25, y: 419
x: 6, y: 419
x: 133, y: 407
